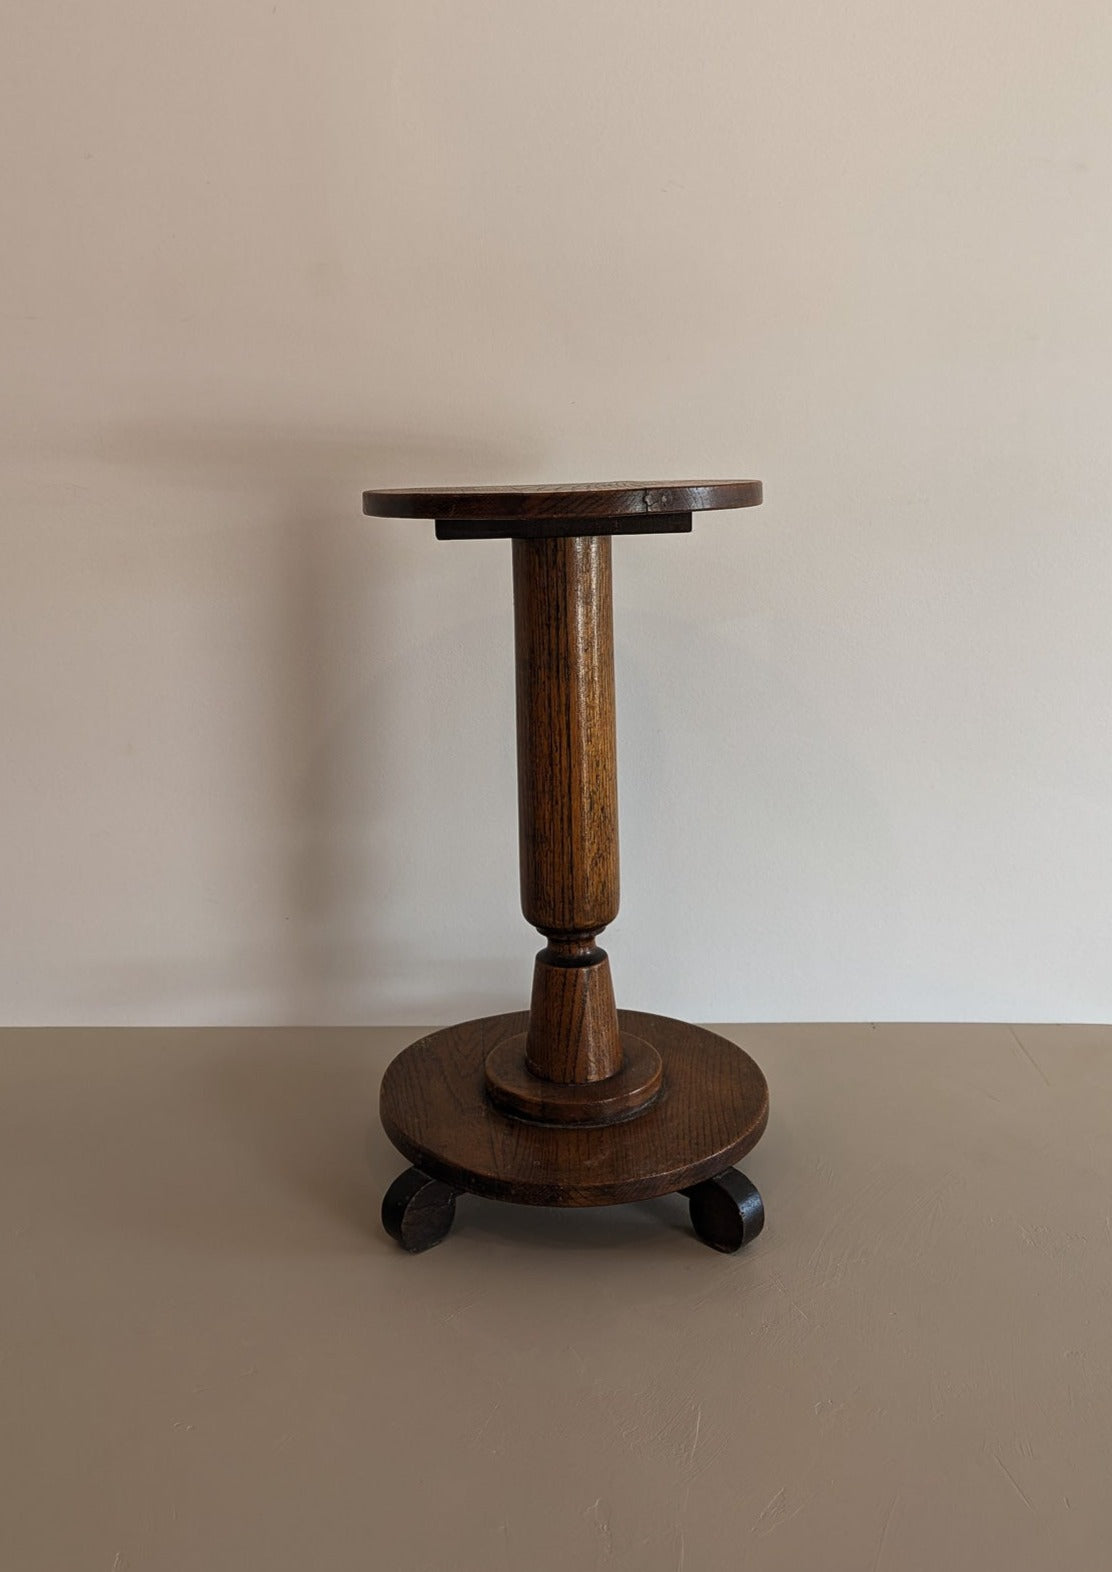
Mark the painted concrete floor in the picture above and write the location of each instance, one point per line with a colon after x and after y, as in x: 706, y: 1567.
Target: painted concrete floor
x: 212, y: 1361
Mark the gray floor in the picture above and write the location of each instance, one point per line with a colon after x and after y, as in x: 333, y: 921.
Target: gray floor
x: 211, y: 1359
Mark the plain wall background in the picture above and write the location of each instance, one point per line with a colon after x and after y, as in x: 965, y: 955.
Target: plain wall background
x: 258, y: 751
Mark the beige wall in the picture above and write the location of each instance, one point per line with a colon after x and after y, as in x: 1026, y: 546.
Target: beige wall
x: 258, y: 751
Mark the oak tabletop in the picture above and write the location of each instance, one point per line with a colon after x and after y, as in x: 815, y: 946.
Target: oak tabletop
x: 610, y: 499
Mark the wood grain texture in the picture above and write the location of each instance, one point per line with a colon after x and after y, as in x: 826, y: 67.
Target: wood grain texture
x: 610, y: 499
x: 567, y: 777
x: 573, y: 1023
x: 434, y: 1108
x: 513, y: 1088
x: 573, y: 1103
x: 566, y: 741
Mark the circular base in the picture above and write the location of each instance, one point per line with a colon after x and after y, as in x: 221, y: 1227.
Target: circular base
x: 713, y: 1106
x: 512, y: 1086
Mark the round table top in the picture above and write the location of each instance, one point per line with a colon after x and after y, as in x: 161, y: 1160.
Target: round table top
x: 609, y: 500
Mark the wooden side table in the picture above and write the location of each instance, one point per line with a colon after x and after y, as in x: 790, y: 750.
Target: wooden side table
x: 571, y: 1102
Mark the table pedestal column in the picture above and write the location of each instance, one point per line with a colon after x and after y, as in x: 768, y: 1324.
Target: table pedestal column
x: 572, y: 1065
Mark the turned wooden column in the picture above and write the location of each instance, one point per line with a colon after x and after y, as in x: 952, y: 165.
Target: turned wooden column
x: 572, y: 1064
x: 567, y: 783
x: 574, y: 1102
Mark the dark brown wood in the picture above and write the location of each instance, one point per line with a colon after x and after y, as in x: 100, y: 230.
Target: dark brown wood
x: 536, y: 529
x: 567, y: 799
x: 435, y: 1110
x: 608, y: 500
x: 573, y: 1022
x: 573, y: 1103
x: 418, y: 1211
x: 726, y: 1211
x: 566, y: 747
x: 512, y: 1086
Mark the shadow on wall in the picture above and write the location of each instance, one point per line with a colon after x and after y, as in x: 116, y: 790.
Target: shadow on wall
x: 331, y: 750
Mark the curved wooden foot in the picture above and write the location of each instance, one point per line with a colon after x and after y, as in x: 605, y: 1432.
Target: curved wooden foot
x: 726, y: 1211
x: 418, y: 1211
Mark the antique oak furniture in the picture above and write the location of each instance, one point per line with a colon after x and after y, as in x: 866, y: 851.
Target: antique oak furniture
x: 571, y: 1102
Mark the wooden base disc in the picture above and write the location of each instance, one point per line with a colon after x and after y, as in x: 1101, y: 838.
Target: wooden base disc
x: 713, y: 1106
x: 512, y: 1086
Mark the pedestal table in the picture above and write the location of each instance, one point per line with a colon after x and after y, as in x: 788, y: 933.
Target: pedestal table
x: 572, y: 1102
